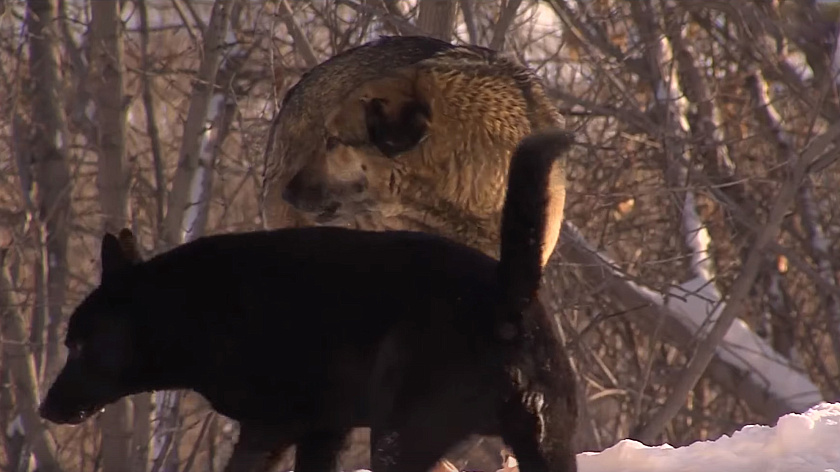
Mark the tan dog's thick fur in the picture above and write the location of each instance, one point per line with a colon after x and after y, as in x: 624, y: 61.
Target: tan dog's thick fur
x: 421, y: 143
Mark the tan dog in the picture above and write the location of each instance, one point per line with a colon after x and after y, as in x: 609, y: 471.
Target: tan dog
x: 421, y: 145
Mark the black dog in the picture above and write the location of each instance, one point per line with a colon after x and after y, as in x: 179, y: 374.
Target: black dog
x: 302, y: 334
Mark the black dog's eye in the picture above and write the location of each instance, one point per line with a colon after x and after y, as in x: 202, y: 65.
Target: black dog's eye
x: 332, y: 142
x: 74, y: 351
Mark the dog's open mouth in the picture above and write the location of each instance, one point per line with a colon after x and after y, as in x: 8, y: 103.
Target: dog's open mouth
x: 70, y: 417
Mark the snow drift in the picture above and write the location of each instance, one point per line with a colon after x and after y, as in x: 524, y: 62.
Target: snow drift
x: 807, y: 442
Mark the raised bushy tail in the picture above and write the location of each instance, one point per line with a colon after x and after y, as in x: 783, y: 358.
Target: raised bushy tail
x: 533, y: 212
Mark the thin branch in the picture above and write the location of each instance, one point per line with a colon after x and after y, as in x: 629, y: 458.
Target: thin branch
x: 388, y: 16
x: 740, y: 289
x: 188, y: 465
x: 199, y: 22
x: 151, y: 118
x: 185, y: 22
x: 436, y: 18
x: 502, y: 27
x: 302, y: 45
x: 49, y: 139
x: 203, y: 86
x: 17, y: 353
x: 468, y: 12
x: 818, y: 246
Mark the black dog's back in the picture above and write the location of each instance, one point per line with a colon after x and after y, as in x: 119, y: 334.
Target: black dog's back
x: 305, y: 297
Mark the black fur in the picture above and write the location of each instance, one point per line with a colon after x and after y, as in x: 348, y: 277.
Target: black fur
x: 524, y: 218
x: 302, y: 334
x: 391, y: 136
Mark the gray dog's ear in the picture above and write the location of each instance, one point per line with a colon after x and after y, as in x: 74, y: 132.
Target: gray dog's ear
x: 396, y: 128
x: 394, y: 112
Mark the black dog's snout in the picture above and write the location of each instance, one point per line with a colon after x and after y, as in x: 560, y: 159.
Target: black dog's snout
x: 47, y: 411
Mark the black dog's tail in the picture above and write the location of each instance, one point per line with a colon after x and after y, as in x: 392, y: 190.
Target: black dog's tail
x: 532, y: 214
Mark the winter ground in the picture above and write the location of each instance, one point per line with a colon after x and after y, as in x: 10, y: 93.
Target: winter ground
x: 807, y: 442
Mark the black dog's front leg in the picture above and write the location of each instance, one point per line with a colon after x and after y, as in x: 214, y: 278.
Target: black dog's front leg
x: 417, y: 432
x: 318, y: 451
x: 261, y: 447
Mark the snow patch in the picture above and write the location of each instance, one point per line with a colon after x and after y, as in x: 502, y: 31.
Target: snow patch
x: 808, y: 442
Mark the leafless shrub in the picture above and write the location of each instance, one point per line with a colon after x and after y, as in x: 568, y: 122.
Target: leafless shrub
x: 696, y: 116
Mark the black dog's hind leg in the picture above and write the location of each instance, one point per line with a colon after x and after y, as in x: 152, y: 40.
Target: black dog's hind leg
x: 537, y: 433
x: 417, y: 433
x: 415, y: 447
x: 258, y: 449
x: 318, y: 451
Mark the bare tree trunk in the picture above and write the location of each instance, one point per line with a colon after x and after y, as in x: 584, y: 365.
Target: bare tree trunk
x: 506, y: 17
x: 143, y: 405
x: 16, y: 449
x: 52, y: 175
x: 436, y: 18
x: 818, y: 245
x: 142, y: 431
x: 302, y: 45
x: 468, y: 12
x: 190, y: 179
x: 151, y: 116
x: 18, y: 452
x: 18, y: 356
x: 105, y: 85
x: 620, y: 290
x: 740, y: 289
x: 49, y: 185
x: 188, y: 162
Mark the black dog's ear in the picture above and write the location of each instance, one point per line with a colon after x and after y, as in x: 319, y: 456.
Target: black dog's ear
x: 398, y: 129
x: 118, y: 253
x: 128, y: 243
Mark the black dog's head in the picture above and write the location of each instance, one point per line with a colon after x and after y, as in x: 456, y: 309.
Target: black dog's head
x: 100, y: 367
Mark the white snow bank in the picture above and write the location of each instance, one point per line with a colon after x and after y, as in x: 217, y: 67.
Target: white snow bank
x: 807, y: 442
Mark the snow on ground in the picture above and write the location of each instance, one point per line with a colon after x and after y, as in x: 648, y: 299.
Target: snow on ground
x: 807, y: 442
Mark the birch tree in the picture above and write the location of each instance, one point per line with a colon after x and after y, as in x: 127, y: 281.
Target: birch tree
x: 46, y: 184
x: 108, y: 112
x: 186, y: 214
x: 22, y: 365
x: 698, y: 122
